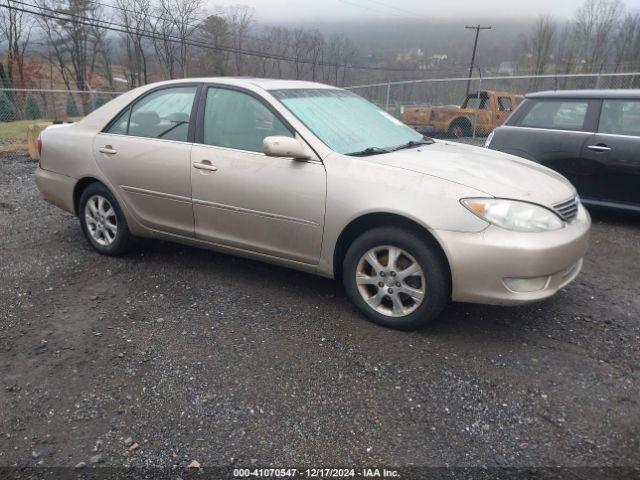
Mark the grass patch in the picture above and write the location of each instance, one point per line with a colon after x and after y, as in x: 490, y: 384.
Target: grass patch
x: 16, y: 132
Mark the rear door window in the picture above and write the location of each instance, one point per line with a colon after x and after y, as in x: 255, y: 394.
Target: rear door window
x: 556, y: 114
x: 163, y: 114
x: 620, y: 117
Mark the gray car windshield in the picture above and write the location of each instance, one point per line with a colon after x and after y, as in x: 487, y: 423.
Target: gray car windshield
x: 345, y: 122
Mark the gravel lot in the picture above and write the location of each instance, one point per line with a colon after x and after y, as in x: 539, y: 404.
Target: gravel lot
x: 197, y: 355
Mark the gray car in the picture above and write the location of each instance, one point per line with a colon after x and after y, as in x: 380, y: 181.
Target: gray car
x: 592, y: 137
x: 316, y: 178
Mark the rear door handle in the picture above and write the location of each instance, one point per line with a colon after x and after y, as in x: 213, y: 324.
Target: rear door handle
x: 599, y: 148
x: 205, y: 165
x: 108, y: 150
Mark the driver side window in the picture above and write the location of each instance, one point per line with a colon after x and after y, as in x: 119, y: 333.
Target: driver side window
x: 164, y: 114
x: 234, y: 119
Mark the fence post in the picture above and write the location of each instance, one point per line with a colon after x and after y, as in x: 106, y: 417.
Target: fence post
x: 386, y: 105
x: 475, y: 124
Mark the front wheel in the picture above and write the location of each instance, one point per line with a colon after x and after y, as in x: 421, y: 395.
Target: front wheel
x: 396, y: 278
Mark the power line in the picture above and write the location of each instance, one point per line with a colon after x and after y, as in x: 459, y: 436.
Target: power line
x: 378, y: 2
x: 368, y: 8
x: 112, y: 26
x: 137, y: 12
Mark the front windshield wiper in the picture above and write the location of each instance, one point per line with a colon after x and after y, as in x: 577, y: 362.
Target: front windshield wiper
x: 412, y: 144
x: 368, y: 151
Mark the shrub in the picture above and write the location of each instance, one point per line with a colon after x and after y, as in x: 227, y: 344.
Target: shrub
x: 72, y: 108
x: 7, y: 108
x: 32, y: 109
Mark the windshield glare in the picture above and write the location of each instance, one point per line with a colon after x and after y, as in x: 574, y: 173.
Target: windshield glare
x: 345, y: 122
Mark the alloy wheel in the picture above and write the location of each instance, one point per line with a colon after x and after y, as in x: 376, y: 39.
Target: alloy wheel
x: 101, y: 220
x: 390, y: 281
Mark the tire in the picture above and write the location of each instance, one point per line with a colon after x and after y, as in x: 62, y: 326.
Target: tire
x: 362, y: 280
x: 457, y: 129
x: 103, y: 224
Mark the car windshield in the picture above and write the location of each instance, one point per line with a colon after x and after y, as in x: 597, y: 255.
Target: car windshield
x: 345, y: 122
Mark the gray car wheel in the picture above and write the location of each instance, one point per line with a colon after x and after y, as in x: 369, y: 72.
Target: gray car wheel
x: 396, y: 278
x: 102, y: 221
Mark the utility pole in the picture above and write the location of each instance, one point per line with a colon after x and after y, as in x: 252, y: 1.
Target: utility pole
x: 477, y: 28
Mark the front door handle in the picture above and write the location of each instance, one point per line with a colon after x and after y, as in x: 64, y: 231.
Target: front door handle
x: 108, y: 150
x: 599, y: 148
x: 205, y: 165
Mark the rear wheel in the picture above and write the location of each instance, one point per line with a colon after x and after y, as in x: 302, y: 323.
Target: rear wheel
x: 102, y: 221
x: 395, y: 278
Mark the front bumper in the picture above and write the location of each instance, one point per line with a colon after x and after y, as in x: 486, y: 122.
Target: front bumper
x: 481, y: 262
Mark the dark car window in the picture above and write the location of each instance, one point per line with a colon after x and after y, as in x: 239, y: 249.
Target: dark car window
x: 237, y: 120
x: 162, y: 114
x: 620, y: 117
x: 476, y: 102
x: 120, y: 124
x: 504, y: 104
x: 556, y: 114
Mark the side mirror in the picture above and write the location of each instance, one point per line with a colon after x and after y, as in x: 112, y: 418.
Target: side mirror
x: 277, y: 146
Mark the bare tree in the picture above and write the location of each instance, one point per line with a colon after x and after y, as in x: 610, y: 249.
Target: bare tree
x: 183, y: 16
x: 627, y: 43
x: 278, y: 40
x: 594, y: 27
x: 341, y: 51
x: 316, y: 50
x: 163, y: 39
x: 541, y: 44
x: 134, y: 16
x: 240, y: 19
x: 15, y: 27
x: 75, y: 38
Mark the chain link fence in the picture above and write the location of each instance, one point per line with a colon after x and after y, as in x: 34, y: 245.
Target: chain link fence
x: 17, y: 104
x: 20, y: 107
x: 412, y: 100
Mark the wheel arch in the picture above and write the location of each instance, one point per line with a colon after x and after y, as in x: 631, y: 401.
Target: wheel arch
x: 369, y: 221
x: 461, y: 119
x: 79, y: 188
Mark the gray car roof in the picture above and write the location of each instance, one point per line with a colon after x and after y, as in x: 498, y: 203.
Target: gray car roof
x: 587, y: 94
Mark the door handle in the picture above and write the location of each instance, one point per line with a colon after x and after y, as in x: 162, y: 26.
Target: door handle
x: 205, y: 165
x: 108, y: 150
x: 599, y: 148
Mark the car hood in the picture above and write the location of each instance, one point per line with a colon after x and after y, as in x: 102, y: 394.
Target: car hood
x: 495, y: 173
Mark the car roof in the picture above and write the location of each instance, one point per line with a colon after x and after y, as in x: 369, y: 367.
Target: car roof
x: 587, y: 94
x: 262, y: 83
x: 497, y: 93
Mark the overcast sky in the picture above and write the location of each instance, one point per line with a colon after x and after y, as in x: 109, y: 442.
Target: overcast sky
x: 277, y: 11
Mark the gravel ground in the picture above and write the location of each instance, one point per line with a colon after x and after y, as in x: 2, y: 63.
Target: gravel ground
x: 192, y: 354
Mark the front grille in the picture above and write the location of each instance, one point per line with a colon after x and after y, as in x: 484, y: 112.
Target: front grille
x: 568, y: 209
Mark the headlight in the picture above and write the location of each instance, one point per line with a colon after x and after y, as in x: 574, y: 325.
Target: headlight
x: 514, y: 215
x: 489, y: 138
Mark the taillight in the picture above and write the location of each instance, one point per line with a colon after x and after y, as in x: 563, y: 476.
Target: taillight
x: 39, y: 148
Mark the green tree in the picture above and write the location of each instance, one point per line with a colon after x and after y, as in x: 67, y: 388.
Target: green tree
x: 32, y: 109
x: 7, y: 109
x: 72, y: 108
